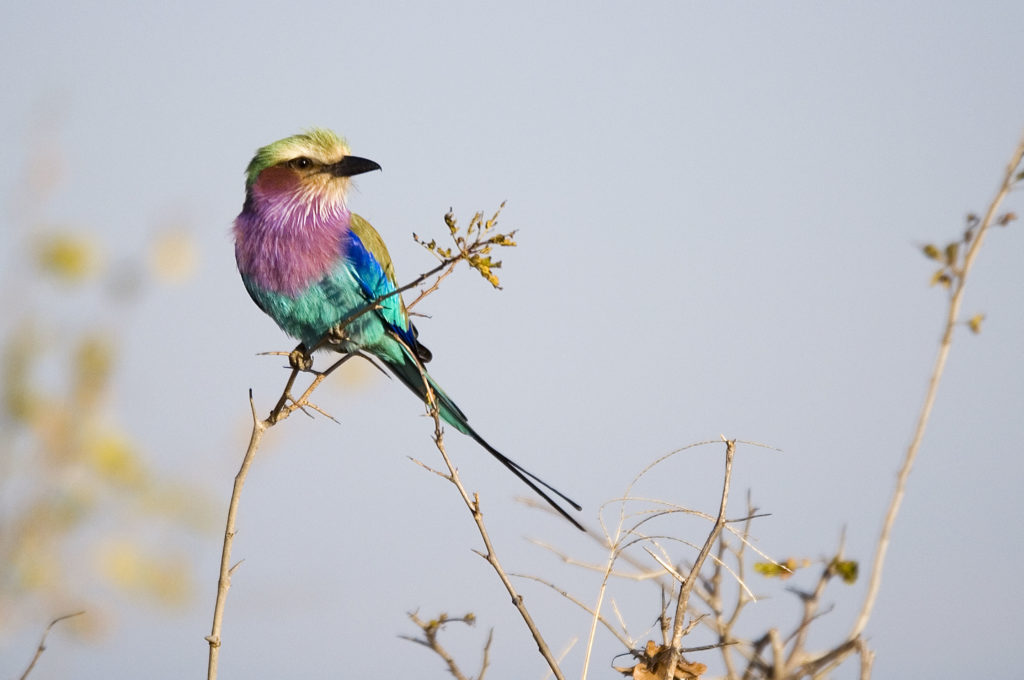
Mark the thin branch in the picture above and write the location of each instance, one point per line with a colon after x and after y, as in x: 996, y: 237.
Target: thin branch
x: 687, y: 586
x: 740, y: 555
x: 618, y: 542
x: 867, y: 658
x: 42, y: 642
x: 486, y: 661
x: 714, y: 558
x: 430, y: 634
x: 613, y: 554
x: 933, y: 387
x: 779, y: 666
x: 829, y: 660
x: 565, y: 652
x: 572, y: 561
x: 473, y: 505
x: 678, y: 626
x: 376, y: 302
x: 812, y: 602
x: 224, y: 582
x: 622, y: 636
x: 713, y: 597
x: 433, y: 287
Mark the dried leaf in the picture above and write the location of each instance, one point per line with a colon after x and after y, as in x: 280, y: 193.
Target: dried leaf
x: 941, y: 277
x: 651, y: 660
x: 846, y: 570
x: 952, y: 250
x: 782, y: 570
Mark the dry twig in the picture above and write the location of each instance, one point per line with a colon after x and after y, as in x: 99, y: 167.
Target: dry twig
x: 678, y: 627
x: 473, y: 505
x: 977, y: 236
x: 42, y: 642
x: 431, y: 630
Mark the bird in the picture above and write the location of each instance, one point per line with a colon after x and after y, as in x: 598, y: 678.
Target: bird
x: 324, y: 275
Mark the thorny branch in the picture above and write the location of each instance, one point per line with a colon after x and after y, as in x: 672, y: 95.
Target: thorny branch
x: 976, y: 237
x: 473, y: 505
x: 472, y: 248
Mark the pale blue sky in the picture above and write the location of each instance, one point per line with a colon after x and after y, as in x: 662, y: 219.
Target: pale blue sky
x: 719, y: 208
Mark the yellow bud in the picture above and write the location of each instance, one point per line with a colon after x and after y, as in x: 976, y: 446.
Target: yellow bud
x: 781, y: 570
x: 952, y: 250
x: 846, y: 570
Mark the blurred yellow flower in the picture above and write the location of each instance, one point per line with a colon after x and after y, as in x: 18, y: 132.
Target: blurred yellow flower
x: 172, y: 255
x: 93, y: 362
x: 114, y: 458
x: 69, y: 257
x: 163, y: 578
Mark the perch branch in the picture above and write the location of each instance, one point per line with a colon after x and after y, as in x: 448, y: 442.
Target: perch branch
x: 301, y: 361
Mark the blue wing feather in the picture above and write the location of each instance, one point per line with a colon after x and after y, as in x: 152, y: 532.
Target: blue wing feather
x: 375, y: 283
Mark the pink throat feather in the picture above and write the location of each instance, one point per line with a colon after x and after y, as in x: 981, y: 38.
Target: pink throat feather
x: 287, y: 240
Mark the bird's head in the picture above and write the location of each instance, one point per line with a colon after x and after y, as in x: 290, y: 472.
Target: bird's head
x: 314, y: 163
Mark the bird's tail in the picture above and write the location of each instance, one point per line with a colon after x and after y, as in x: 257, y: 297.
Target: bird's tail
x: 411, y: 372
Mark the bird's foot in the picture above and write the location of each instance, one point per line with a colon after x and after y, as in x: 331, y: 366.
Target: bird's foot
x: 336, y: 336
x: 299, y: 359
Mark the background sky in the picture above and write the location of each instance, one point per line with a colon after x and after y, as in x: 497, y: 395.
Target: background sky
x: 720, y: 208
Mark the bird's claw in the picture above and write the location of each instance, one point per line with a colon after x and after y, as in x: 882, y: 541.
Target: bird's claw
x: 336, y: 335
x: 300, y: 360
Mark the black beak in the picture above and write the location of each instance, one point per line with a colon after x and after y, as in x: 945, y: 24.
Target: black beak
x: 352, y: 165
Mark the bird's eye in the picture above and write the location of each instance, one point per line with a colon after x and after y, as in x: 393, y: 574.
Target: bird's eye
x: 301, y: 163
